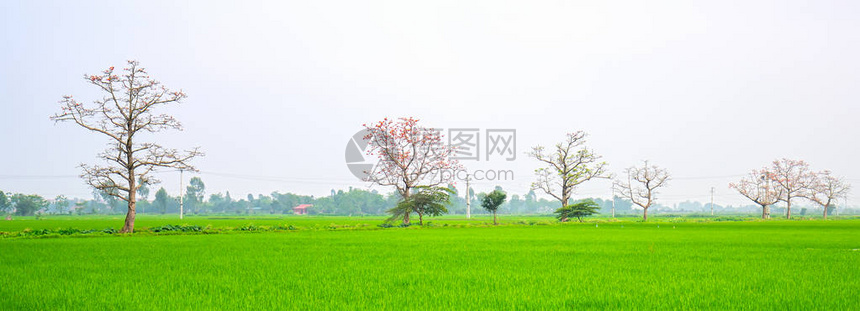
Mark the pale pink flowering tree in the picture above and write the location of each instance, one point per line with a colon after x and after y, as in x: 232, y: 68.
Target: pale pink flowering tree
x: 827, y: 188
x: 126, y: 111
x: 794, y: 178
x: 758, y: 187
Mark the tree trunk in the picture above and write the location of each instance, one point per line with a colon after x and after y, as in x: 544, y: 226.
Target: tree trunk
x: 128, y: 227
x: 764, y: 212
x: 420, y: 219
x: 788, y: 208
x: 644, y: 214
x: 495, y: 220
x: 405, y: 195
x: 565, y: 197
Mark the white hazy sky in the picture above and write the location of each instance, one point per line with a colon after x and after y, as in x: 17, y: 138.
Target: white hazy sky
x: 707, y: 89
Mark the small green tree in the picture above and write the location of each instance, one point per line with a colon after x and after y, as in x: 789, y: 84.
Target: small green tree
x: 143, y: 191
x: 5, y: 204
x: 79, y: 207
x: 61, y: 203
x: 432, y: 201
x: 579, y: 209
x: 28, y: 205
x: 492, y: 201
x: 160, y: 201
x: 194, y: 194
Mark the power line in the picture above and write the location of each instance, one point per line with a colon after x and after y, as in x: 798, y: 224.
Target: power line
x: 277, y: 178
x: 708, y: 177
x: 37, y: 176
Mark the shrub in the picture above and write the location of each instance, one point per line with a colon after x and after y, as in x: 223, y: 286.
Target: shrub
x: 176, y: 228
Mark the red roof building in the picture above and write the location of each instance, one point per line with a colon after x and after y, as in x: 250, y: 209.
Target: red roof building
x: 301, y: 209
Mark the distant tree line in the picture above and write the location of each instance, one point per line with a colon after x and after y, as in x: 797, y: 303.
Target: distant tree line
x: 352, y: 201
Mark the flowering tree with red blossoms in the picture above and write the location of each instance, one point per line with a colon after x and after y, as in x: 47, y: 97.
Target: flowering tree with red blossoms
x: 126, y: 110
x: 410, y: 156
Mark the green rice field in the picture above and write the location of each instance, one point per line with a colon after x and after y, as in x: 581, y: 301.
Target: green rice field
x: 343, y: 263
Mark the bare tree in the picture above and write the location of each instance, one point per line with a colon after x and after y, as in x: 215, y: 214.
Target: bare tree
x: 827, y: 188
x: 410, y: 156
x: 641, y: 185
x: 122, y: 114
x: 794, y: 177
x: 757, y: 187
x: 568, y: 166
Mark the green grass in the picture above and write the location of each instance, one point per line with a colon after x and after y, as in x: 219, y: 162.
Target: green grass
x: 144, y: 222
x: 798, y: 265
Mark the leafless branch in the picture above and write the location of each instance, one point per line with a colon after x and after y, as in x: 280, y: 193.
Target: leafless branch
x: 641, y: 185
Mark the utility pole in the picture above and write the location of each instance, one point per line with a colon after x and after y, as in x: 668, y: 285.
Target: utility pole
x: 712, y: 201
x: 181, y: 185
x: 844, y: 206
x: 613, y: 201
x: 468, y: 199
